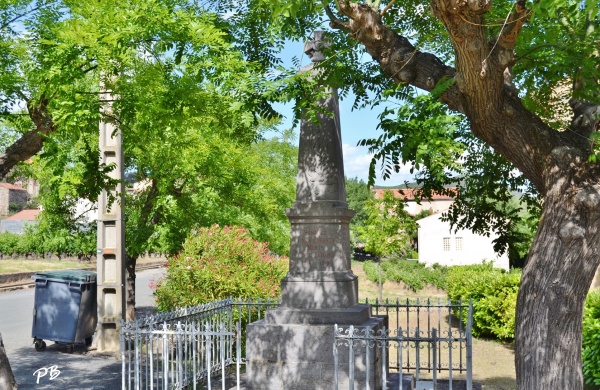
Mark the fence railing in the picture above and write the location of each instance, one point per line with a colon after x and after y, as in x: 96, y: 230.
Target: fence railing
x: 426, y: 337
x: 202, y: 346
x: 188, y: 346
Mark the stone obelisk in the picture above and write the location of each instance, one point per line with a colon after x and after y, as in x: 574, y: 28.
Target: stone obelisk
x: 292, y: 348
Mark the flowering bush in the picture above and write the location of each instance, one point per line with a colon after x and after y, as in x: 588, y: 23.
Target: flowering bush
x: 216, y: 263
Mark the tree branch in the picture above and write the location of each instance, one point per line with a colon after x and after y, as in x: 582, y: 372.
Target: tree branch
x: 586, y: 118
x: 387, y: 7
x: 495, y: 111
x: 31, y: 142
x: 398, y: 58
x: 17, y: 17
x: 335, y: 22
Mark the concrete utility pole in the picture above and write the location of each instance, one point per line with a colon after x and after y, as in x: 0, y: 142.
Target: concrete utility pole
x: 111, y: 241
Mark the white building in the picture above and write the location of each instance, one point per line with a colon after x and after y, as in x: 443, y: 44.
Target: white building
x: 440, y: 244
x: 438, y: 202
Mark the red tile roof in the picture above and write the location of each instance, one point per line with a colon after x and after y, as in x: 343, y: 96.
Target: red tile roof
x: 12, y: 187
x: 409, y: 193
x: 24, y: 215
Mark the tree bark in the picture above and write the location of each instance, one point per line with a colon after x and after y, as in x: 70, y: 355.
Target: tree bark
x: 557, y: 276
x: 31, y: 142
x: 130, y: 287
x: 142, y: 235
x: 7, y: 379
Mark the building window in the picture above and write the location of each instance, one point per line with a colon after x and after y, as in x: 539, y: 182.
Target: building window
x: 458, y: 243
x: 446, y: 244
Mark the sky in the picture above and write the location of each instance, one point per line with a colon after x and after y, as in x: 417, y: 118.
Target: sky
x: 355, y: 124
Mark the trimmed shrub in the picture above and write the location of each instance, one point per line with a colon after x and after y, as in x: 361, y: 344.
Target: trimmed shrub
x: 591, y: 339
x: 494, y: 294
x: 370, y: 268
x: 9, y: 243
x: 216, y: 263
x: 413, y: 274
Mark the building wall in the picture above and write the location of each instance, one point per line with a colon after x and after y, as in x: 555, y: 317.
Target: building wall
x: 4, y: 200
x: 86, y: 210
x: 18, y: 196
x: 436, y: 206
x: 439, y: 244
x: 16, y: 227
x: 8, y: 196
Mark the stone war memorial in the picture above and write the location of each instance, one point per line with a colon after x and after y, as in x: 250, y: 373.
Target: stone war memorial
x: 292, y: 347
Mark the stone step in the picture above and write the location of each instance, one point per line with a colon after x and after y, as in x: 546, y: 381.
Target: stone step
x: 408, y: 381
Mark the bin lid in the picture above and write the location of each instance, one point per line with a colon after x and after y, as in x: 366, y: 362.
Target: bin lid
x: 67, y: 275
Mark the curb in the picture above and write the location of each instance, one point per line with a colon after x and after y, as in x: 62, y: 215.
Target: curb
x: 22, y: 280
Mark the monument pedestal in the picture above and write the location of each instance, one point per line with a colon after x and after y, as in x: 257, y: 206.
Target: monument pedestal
x: 300, y: 356
x: 292, y: 347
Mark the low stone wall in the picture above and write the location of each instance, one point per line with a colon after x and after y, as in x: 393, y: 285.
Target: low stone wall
x: 13, y: 278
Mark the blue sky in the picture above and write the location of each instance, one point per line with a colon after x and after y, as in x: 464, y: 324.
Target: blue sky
x: 356, y: 125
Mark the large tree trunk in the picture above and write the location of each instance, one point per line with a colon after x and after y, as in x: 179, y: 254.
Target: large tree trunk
x: 556, y: 280
x: 7, y: 379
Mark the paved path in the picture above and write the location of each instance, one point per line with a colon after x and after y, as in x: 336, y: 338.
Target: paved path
x: 80, y: 370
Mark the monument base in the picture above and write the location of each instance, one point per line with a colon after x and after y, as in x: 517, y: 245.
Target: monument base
x: 324, y: 290
x: 299, y: 356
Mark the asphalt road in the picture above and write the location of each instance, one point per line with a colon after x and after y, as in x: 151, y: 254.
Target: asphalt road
x: 55, y: 368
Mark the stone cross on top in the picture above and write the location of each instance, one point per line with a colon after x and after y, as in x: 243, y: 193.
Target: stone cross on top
x: 312, y: 48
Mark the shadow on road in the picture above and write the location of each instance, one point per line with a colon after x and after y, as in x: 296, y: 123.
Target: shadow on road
x: 55, y: 368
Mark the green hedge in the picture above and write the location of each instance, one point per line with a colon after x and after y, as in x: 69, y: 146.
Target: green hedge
x: 60, y: 243
x: 370, y: 268
x: 591, y: 338
x: 410, y: 272
x: 414, y: 274
x: 494, y: 294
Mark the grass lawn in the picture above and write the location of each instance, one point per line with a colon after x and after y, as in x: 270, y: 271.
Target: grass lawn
x: 9, y: 266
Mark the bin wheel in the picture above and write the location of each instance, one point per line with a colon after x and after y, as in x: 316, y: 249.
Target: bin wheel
x: 88, y: 341
x: 40, y: 345
x: 70, y: 348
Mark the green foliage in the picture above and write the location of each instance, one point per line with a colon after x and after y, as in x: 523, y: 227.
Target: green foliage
x: 388, y: 229
x: 420, y: 133
x: 591, y: 338
x: 413, y: 274
x: 566, y: 32
x: 358, y: 194
x: 15, y: 207
x: 372, y: 271
x: 191, y: 105
x: 9, y: 243
x: 494, y: 296
x: 216, y: 263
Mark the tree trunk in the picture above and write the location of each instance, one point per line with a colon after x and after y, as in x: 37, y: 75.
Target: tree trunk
x: 130, y: 263
x: 556, y: 279
x: 7, y: 379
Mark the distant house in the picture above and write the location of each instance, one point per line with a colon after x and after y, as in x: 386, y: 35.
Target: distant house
x: 18, y: 222
x: 438, y: 243
x: 11, y: 194
x: 438, y: 202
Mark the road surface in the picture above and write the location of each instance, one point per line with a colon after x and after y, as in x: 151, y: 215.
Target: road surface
x: 55, y: 368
